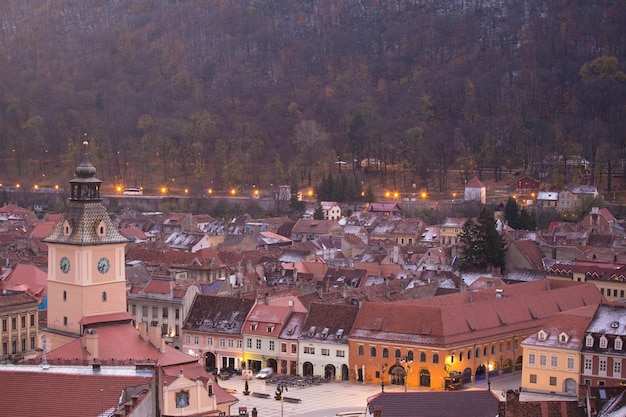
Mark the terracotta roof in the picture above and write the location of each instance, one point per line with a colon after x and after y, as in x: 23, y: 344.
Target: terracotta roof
x: 16, y: 299
x: 29, y: 278
x: 461, y: 318
x: 66, y: 394
x: 42, y: 230
x: 106, y: 318
x: 573, y: 323
x: 531, y: 252
x: 314, y: 226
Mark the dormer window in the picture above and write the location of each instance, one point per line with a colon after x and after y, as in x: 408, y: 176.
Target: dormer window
x: 542, y: 335
x: 563, y: 338
x: 325, y: 332
x: 339, y: 334
x: 67, y: 228
x: 604, y: 342
x: 270, y: 328
x: 312, y: 331
x: 254, y: 326
x: 101, y: 229
x: 589, y: 341
x: 618, y: 343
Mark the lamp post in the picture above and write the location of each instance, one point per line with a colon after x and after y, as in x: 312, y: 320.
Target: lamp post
x: 280, y: 389
x: 382, y: 377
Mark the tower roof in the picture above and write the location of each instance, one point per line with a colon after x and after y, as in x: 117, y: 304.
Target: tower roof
x: 85, y: 186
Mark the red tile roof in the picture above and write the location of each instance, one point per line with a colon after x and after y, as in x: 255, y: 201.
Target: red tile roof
x: 27, y: 278
x: 55, y: 394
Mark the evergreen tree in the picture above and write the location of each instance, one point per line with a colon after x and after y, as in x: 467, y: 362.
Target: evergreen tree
x: 528, y: 219
x: 294, y: 203
x: 512, y: 214
x: 481, y: 243
x: 318, y: 214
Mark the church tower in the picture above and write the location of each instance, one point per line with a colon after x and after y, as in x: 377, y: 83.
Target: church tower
x: 86, y: 276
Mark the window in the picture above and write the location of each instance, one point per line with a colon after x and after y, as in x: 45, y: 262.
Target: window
x: 177, y: 314
x: 239, y: 344
x: 469, y: 354
x: 493, y: 349
x: 422, y: 357
x: 533, y: 378
x: 133, y: 310
x: 249, y: 343
x: 283, y: 348
x: 196, y: 340
x: 603, y: 342
x: 155, y: 312
x: 361, y: 350
x: 187, y: 339
x: 4, y: 325
x: 325, y: 352
x: 64, y: 295
x: 165, y: 312
x: 340, y: 353
x: 230, y: 343
x: 570, y: 364
x: 222, y: 342
x: 618, y: 343
x: 373, y: 352
x: 398, y: 354
x: 589, y: 341
x: 461, y: 357
x: 272, y: 345
x: 617, y: 368
x: 144, y: 311
x: 65, y: 320
x: 409, y: 356
x: 23, y: 345
x: 32, y: 342
x: 485, y: 351
x: 14, y: 323
x: 553, y: 381
x: 258, y: 344
x: 294, y: 348
x: 531, y: 359
x: 588, y: 364
x: 477, y: 353
x: 554, y: 361
x: 209, y: 341
x: 602, y: 365
x: 309, y: 350
x: 543, y: 360
x: 435, y: 358
x: 104, y: 296
x: 385, y: 353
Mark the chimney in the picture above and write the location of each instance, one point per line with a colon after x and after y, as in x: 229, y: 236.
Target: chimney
x: 499, y: 292
x: 91, y: 343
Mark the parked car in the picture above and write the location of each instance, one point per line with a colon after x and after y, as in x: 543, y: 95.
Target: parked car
x: 264, y: 373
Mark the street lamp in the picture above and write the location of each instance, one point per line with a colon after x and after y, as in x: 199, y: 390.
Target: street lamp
x: 280, y: 388
x: 382, y: 377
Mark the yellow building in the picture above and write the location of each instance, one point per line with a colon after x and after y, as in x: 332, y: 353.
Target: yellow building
x: 609, y: 277
x: 450, y: 230
x: 551, y: 355
x: 420, y: 343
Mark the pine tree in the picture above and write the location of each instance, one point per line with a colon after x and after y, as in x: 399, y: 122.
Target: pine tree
x: 318, y: 214
x: 512, y: 214
x: 481, y: 243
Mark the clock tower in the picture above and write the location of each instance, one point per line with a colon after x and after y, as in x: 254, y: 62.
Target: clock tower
x: 86, y: 278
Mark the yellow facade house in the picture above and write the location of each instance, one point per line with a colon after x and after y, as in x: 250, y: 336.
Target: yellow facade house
x: 551, y: 355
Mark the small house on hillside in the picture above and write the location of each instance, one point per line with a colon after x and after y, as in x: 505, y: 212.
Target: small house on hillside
x: 476, y: 191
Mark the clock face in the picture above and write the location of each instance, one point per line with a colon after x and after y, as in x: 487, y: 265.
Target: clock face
x: 64, y: 264
x: 103, y: 265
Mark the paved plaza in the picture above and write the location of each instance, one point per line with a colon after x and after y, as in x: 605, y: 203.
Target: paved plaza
x: 331, y: 399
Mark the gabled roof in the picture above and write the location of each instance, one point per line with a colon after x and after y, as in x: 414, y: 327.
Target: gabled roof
x: 314, y: 226
x: 460, y: 318
x: 64, y: 391
x: 27, y: 278
x: 218, y: 314
x: 331, y: 323
x: 572, y: 324
x: 531, y: 252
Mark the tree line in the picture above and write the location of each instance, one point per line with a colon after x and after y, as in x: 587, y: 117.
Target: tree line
x: 225, y: 93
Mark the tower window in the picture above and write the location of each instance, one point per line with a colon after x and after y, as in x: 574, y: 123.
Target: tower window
x: 65, y: 320
x: 104, y: 296
x: 64, y: 295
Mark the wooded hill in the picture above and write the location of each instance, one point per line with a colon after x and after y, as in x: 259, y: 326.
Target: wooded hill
x: 236, y: 92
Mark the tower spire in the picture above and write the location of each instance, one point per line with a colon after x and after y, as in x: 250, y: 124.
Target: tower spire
x: 85, y: 186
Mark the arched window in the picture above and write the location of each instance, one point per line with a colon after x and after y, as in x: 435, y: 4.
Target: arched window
x: 385, y: 353
x: 373, y: 352
x: 398, y: 354
x: 409, y: 356
x: 104, y: 296
x: 461, y: 357
x: 435, y: 358
x: 485, y: 351
x: 422, y: 357
x: 477, y: 353
x: 361, y: 351
x: 493, y: 349
x: 469, y: 354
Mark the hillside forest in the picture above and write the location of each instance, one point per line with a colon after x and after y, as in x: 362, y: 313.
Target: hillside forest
x: 231, y: 93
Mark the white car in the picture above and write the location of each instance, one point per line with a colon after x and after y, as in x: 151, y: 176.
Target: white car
x: 264, y: 373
